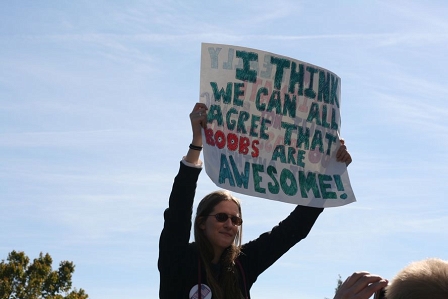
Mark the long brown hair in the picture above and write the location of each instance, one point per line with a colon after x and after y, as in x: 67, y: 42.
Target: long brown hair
x: 227, y: 285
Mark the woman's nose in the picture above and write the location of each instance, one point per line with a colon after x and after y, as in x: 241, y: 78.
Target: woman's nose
x: 228, y: 222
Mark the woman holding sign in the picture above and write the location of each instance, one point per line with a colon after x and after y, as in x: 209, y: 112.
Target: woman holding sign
x: 217, y: 265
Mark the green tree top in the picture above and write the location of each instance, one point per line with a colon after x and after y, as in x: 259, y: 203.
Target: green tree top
x: 21, y: 280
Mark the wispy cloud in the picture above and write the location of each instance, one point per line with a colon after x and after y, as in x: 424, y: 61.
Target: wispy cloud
x: 64, y: 138
x: 429, y: 16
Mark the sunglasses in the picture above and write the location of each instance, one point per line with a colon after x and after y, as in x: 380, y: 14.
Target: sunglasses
x: 222, y: 217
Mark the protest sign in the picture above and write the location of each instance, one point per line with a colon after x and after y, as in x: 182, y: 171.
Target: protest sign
x: 273, y: 126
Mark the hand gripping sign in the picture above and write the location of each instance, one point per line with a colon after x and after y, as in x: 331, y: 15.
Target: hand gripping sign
x: 273, y: 127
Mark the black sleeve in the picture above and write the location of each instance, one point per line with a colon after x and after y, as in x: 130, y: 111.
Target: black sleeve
x: 262, y: 252
x: 177, y: 226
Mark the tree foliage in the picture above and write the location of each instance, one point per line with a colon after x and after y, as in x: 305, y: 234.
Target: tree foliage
x: 339, y: 283
x: 20, y: 279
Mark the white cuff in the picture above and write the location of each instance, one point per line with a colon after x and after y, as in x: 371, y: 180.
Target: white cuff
x: 198, y: 165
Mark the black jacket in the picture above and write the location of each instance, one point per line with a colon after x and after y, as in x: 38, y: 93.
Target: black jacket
x: 178, y: 259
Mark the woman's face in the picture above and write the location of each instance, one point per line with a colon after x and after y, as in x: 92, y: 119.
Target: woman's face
x: 221, y: 234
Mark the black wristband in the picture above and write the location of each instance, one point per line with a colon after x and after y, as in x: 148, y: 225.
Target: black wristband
x: 195, y: 147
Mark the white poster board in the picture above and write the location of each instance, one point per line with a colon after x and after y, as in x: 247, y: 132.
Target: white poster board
x: 273, y: 126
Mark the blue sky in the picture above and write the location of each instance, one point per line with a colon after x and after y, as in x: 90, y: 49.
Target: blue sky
x: 94, y: 104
